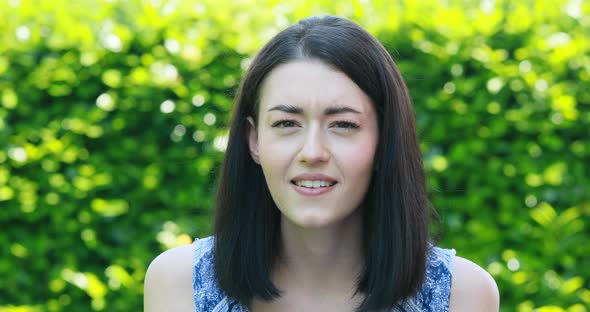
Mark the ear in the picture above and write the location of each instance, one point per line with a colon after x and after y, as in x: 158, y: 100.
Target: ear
x: 253, y: 139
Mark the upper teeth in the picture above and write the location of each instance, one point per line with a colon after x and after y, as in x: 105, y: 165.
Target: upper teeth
x: 313, y: 184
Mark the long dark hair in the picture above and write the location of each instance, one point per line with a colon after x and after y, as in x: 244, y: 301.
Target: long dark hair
x: 395, y: 214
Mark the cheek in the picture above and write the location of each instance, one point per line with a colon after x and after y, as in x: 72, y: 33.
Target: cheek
x: 359, y: 156
x: 274, y: 155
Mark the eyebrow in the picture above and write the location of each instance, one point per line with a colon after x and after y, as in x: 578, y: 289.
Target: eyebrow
x: 328, y: 111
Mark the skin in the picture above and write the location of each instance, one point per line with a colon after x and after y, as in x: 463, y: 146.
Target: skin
x: 321, y: 234
x: 168, y: 284
x: 341, y: 145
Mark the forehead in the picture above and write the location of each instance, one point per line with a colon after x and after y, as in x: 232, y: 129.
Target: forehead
x: 311, y: 84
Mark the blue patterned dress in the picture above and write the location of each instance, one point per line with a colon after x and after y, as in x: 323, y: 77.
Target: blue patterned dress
x: 434, y: 295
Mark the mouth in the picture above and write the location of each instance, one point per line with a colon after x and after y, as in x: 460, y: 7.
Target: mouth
x: 313, y: 187
x: 313, y: 184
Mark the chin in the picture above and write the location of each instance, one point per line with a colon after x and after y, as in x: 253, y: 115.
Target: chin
x: 315, y: 221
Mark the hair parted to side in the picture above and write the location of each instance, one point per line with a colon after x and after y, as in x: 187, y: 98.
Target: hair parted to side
x: 395, y: 211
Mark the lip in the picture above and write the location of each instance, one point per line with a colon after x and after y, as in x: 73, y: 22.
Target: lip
x: 313, y: 191
x: 306, y: 191
x: 314, y: 176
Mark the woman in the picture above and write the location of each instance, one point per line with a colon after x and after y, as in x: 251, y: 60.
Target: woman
x: 321, y: 204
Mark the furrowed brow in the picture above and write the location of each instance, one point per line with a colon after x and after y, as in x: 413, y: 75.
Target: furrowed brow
x: 340, y: 110
x: 328, y: 111
x: 287, y: 109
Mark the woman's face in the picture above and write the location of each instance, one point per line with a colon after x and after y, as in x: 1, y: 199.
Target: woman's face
x: 315, y: 140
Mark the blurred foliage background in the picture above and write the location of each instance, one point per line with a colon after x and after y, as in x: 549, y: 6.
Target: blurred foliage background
x: 113, y: 124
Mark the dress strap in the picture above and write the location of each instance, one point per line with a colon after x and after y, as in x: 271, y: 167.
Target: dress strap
x: 436, y: 291
x: 206, y: 292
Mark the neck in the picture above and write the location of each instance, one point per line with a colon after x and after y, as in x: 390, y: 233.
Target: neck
x: 321, y: 256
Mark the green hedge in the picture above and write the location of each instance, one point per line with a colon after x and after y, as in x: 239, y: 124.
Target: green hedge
x: 113, y: 123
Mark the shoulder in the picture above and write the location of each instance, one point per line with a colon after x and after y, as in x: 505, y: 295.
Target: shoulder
x: 473, y: 289
x: 168, y: 281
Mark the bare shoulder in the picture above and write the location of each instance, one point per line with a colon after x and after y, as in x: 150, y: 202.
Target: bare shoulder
x: 168, y: 281
x: 473, y: 289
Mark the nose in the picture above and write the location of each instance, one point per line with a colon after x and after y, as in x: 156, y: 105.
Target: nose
x: 314, y: 149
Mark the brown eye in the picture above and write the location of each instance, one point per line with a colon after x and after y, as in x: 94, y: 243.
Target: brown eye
x: 345, y: 125
x: 284, y: 124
